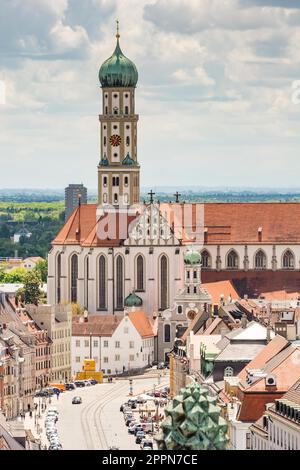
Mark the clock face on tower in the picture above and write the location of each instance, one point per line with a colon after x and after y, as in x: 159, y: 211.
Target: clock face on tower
x: 191, y: 315
x: 115, y: 140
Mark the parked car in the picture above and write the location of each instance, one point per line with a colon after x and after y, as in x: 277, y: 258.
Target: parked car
x: 41, y: 393
x: 146, y: 444
x: 123, y: 406
x: 138, y: 429
x: 147, y: 427
x: 87, y: 383
x: 129, y: 420
x: 157, y: 393
x: 76, y: 401
x: 79, y: 383
x: 94, y: 381
x: 132, y: 427
x: 140, y: 400
x: 161, y: 365
x: 70, y: 386
x: 139, y: 436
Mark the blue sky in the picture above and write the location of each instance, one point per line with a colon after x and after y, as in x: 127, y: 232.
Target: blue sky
x: 214, y: 96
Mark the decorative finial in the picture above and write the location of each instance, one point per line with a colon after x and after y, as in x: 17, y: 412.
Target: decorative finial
x: 118, y: 34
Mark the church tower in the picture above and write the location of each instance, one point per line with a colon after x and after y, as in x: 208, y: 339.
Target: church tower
x: 118, y: 169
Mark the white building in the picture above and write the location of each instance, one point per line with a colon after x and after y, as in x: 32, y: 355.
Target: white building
x: 118, y: 343
x: 30, y: 263
x: 279, y: 427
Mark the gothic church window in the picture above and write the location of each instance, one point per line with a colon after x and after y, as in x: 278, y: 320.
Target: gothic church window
x: 232, y: 260
x: 74, y: 277
x: 260, y: 260
x: 58, y: 288
x: 206, y: 259
x: 164, y: 281
x: 102, y: 283
x: 288, y: 260
x: 119, y: 283
x: 140, y: 273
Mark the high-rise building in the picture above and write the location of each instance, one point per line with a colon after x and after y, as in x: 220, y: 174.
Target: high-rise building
x: 74, y: 193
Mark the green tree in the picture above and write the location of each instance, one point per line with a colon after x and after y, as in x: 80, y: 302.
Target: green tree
x: 41, y: 268
x: 32, y: 291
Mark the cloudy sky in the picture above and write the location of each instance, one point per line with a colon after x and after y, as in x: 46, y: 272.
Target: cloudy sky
x: 218, y: 92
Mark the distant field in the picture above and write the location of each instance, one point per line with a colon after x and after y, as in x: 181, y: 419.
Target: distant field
x: 30, y: 211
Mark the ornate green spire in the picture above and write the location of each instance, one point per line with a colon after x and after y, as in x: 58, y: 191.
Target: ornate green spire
x: 192, y: 257
x: 133, y: 300
x: 128, y: 161
x: 193, y: 422
x: 104, y: 161
x: 118, y: 70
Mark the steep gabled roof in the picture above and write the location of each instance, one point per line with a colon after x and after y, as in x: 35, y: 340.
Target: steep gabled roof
x: 226, y: 223
x: 142, y: 323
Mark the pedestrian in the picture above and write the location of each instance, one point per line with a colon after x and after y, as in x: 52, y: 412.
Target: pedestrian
x: 30, y: 414
x: 28, y: 407
x: 57, y: 395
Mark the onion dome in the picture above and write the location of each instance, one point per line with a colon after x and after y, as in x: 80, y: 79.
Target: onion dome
x: 104, y: 161
x: 128, y: 160
x: 133, y: 300
x: 118, y: 70
x: 192, y: 257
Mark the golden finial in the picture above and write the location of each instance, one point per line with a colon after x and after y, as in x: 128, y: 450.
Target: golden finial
x: 118, y: 34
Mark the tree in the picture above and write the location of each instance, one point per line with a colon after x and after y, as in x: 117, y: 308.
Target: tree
x: 41, y: 268
x: 32, y: 291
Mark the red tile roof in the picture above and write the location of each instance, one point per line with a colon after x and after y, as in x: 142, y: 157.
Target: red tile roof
x: 141, y: 323
x: 230, y: 223
x: 225, y: 288
x: 98, y: 325
x: 277, y: 344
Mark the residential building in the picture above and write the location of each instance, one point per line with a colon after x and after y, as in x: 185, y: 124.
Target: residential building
x: 117, y: 343
x: 30, y: 263
x: 74, y: 194
x: 269, y: 380
x: 279, y: 427
x: 56, y: 320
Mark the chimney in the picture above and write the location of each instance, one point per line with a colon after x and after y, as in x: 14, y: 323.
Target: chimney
x: 85, y: 316
x: 259, y: 233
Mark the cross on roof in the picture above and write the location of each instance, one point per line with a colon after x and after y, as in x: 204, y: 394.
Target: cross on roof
x: 151, y: 194
x: 177, y: 195
x: 118, y: 33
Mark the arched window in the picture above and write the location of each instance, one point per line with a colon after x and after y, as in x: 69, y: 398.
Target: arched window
x: 260, y: 260
x: 164, y: 282
x: 127, y: 141
x: 119, y: 283
x: 206, y: 259
x: 140, y: 273
x: 86, y: 282
x: 126, y: 110
x: 167, y: 333
x: 228, y: 372
x: 104, y: 140
x: 288, y: 260
x: 106, y: 110
x: 232, y: 260
x: 74, y: 277
x: 58, y: 286
x: 179, y: 309
x: 102, y: 283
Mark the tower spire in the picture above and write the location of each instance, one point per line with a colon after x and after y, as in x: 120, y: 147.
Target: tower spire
x: 118, y: 32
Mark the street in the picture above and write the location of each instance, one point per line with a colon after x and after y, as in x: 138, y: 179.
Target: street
x: 97, y: 423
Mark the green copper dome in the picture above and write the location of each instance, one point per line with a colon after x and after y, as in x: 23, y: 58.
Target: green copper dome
x: 118, y: 70
x: 192, y: 257
x: 104, y: 161
x: 133, y: 300
x: 128, y: 160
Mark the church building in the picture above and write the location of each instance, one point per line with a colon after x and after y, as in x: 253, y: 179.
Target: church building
x: 121, y: 253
